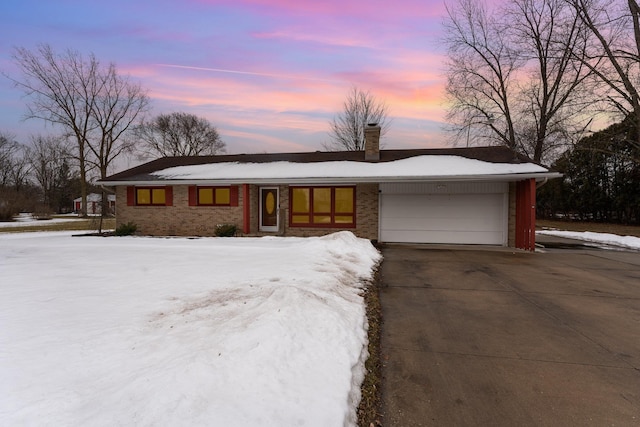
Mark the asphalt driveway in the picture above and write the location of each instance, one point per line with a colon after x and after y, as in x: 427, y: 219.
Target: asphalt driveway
x: 502, y: 338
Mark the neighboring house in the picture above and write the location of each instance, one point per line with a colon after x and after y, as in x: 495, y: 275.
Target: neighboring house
x: 480, y: 195
x: 94, y: 203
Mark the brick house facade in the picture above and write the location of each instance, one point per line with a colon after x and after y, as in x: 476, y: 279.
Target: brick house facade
x: 480, y: 195
x: 202, y: 220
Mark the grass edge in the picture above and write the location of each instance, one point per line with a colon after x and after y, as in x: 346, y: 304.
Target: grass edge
x: 369, y: 413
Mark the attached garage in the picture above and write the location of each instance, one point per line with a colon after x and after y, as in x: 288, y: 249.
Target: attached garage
x: 472, y: 195
x: 444, y: 212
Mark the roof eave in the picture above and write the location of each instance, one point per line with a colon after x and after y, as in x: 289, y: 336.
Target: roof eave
x: 539, y: 176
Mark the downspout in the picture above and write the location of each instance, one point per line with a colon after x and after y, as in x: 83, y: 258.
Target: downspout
x: 541, y: 183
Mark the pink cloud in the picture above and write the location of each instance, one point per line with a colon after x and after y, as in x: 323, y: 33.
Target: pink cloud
x: 357, y: 39
x: 256, y: 103
x: 376, y: 9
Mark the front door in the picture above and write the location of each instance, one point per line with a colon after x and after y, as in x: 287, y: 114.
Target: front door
x: 269, y: 209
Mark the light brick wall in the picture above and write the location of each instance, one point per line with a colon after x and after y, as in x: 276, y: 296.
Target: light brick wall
x: 184, y: 220
x: 366, y: 215
x: 179, y: 219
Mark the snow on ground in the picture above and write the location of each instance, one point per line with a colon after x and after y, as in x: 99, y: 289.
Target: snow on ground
x: 630, y: 242
x: 24, y: 220
x: 213, y: 331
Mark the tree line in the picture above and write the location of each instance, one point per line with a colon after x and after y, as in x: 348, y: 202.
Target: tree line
x: 601, y: 180
x: 36, y: 178
x: 99, y: 115
x: 534, y: 75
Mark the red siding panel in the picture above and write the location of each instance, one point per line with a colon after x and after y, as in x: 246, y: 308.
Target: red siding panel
x: 193, y: 198
x: 168, y: 196
x: 246, y: 211
x: 233, y: 196
x: 131, y: 196
x: 526, y: 215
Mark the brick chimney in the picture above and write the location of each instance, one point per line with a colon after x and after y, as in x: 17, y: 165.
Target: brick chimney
x: 372, y: 142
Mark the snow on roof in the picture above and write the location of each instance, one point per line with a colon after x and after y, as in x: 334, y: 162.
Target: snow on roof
x: 425, y: 166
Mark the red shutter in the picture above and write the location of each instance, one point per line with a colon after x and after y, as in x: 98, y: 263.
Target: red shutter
x: 193, y: 200
x: 131, y: 196
x: 168, y: 196
x: 526, y: 214
x: 246, y: 211
x: 233, y: 199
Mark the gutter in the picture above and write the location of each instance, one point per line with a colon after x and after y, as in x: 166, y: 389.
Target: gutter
x: 542, y: 177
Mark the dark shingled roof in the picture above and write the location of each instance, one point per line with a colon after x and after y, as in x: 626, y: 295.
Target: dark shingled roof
x: 488, y: 154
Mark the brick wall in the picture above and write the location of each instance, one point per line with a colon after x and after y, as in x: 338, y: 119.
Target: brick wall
x: 184, y: 220
x: 366, y: 215
x: 179, y: 219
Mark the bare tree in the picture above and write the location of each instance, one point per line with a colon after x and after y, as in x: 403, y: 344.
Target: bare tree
x: 48, y: 155
x: 480, y: 72
x: 179, y: 134
x: 62, y: 89
x: 119, y: 104
x: 347, y: 128
x: 8, y: 148
x: 93, y: 104
x: 14, y: 183
x: 14, y: 163
x: 614, y: 56
x: 513, y: 73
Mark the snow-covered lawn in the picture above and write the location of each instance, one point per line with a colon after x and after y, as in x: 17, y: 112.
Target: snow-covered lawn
x: 166, y: 332
x: 25, y: 220
x: 630, y: 242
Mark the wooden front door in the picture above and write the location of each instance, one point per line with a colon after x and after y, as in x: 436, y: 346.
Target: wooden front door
x: 269, y: 207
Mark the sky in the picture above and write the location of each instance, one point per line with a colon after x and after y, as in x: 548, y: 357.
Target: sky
x: 269, y: 74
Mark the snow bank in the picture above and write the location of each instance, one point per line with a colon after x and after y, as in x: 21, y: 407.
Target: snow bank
x: 630, y: 242
x: 147, y: 331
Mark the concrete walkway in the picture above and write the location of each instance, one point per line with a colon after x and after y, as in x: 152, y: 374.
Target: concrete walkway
x: 483, y: 337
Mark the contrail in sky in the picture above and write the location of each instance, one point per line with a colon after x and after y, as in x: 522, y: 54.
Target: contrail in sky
x: 249, y: 73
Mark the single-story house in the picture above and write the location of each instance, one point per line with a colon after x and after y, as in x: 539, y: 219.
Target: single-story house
x: 478, y: 195
x: 94, y: 203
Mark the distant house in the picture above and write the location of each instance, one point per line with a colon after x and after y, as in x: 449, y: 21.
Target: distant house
x: 94, y: 203
x: 480, y: 195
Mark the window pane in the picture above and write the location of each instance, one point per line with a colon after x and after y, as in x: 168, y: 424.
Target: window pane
x: 300, y: 219
x: 205, y: 196
x: 157, y: 196
x: 300, y: 202
x: 344, y: 219
x: 344, y: 200
x: 143, y: 196
x: 322, y: 219
x: 223, y: 196
x: 321, y: 200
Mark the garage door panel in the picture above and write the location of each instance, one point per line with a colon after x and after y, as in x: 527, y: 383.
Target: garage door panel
x: 443, y: 218
x: 446, y: 224
x: 441, y: 205
x: 449, y: 237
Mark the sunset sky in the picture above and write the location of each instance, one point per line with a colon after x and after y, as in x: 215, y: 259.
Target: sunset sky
x: 269, y: 74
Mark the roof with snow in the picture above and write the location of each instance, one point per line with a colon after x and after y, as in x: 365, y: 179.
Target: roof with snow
x: 476, y: 163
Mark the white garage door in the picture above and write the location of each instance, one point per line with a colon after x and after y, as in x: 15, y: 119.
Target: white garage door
x: 458, y: 213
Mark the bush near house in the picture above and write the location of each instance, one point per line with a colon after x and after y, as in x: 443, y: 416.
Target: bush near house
x: 226, y: 230
x: 126, y: 229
